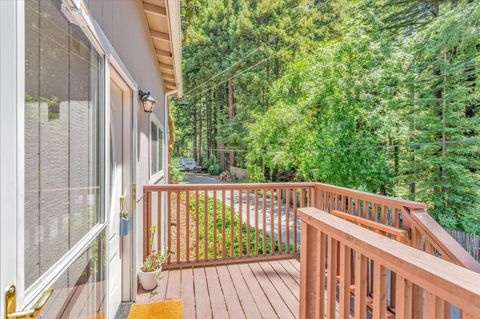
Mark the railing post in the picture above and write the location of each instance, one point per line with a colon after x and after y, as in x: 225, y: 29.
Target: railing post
x: 146, y: 222
x: 312, y: 265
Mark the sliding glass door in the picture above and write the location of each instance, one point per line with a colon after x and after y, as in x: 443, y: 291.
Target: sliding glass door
x: 64, y: 237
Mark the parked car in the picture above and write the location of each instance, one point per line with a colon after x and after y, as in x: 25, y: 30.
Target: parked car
x: 187, y: 163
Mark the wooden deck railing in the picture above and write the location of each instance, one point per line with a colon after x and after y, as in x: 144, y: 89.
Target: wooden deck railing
x: 341, y: 262
x: 225, y: 223
x: 424, y: 232
x: 259, y: 221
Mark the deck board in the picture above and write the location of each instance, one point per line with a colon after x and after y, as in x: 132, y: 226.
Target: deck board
x: 202, y: 298
x: 219, y: 308
x: 187, y: 293
x: 259, y: 296
x: 278, y: 304
x: 281, y: 288
x: 246, y: 299
x: 249, y: 290
x: 289, y: 281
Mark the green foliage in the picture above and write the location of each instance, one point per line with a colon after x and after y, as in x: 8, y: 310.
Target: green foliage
x: 176, y: 174
x: 155, y: 259
x: 215, y: 224
x: 213, y: 166
x: 372, y: 95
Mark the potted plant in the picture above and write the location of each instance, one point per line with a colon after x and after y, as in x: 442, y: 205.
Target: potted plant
x: 151, y: 270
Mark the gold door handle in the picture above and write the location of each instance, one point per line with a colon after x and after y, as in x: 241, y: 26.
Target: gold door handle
x: 10, y: 302
x: 122, y: 202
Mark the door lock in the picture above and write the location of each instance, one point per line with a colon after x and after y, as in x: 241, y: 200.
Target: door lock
x: 11, y: 304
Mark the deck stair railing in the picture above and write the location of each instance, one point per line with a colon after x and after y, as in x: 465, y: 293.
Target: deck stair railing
x: 345, y: 271
x: 260, y: 221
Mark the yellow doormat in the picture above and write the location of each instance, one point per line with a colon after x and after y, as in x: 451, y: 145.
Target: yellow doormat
x: 170, y: 309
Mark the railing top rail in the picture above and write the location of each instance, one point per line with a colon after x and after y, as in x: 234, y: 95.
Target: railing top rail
x: 445, y: 241
x: 453, y: 283
x: 225, y: 186
x: 380, y: 199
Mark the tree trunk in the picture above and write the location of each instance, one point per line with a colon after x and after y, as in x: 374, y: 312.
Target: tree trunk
x: 207, y: 130
x: 231, y: 113
x: 195, y: 144
x: 412, y: 187
x: 220, y: 144
x: 200, y: 138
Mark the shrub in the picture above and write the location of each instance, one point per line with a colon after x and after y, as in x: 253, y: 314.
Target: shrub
x: 176, y: 174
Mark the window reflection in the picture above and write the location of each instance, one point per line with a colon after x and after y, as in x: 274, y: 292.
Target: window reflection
x: 80, y: 291
x: 62, y: 184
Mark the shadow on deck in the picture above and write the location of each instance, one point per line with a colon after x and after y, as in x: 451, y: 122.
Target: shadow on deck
x: 250, y: 290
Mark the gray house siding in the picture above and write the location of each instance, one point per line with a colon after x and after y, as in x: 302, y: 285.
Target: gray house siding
x: 124, y: 23
x: 125, y: 26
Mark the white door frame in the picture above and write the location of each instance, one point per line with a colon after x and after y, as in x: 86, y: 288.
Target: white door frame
x: 12, y: 102
x: 127, y: 246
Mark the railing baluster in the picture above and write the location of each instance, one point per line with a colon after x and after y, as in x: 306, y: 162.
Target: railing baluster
x: 187, y: 225
x: 197, y: 225
x: 383, y: 215
x: 205, y: 226
x: 256, y: 222
x: 177, y: 228
x: 272, y: 221
x: 240, y: 224
x: 295, y: 242
x: 279, y: 215
x: 434, y: 306
x: 379, y: 291
x: 361, y: 285
x: 331, y: 277
x: 310, y: 197
x: 403, y: 292
x: 345, y: 280
x: 169, y: 226
x: 159, y: 221
x: 264, y: 220
x: 302, y: 198
x: 146, y: 226
x: 223, y: 225
x: 232, y: 222
x: 287, y: 220
x: 214, y: 224
x: 248, y: 193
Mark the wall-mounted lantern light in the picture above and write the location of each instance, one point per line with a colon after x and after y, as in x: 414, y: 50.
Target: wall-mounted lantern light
x: 147, y: 100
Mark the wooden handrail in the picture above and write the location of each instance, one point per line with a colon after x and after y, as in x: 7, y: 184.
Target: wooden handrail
x: 442, y: 239
x: 324, y: 235
x: 379, y: 199
x: 425, y: 233
x: 399, y: 234
x: 232, y: 186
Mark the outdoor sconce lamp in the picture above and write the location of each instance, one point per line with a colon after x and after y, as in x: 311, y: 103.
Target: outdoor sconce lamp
x: 147, y: 100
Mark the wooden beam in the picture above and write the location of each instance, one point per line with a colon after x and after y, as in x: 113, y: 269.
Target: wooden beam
x: 167, y: 71
x: 154, y: 9
x: 168, y: 77
x: 160, y: 35
x: 168, y: 83
x: 163, y: 53
x: 165, y: 66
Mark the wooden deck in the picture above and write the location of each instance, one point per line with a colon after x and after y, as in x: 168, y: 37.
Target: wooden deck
x: 249, y: 290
